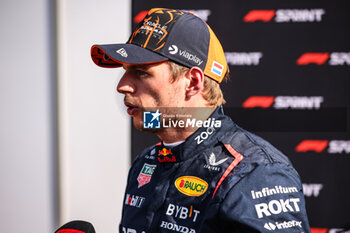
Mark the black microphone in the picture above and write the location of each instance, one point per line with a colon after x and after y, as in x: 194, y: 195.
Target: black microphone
x: 76, y: 226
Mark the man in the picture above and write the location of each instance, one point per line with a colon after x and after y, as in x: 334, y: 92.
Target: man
x: 207, y: 174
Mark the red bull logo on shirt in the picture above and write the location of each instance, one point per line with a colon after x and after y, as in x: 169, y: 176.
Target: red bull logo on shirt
x: 165, y: 156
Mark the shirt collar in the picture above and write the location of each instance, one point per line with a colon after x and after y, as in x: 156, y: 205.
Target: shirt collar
x: 198, y: 141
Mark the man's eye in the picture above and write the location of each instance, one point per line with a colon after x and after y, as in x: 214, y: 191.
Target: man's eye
x: 142, y: 74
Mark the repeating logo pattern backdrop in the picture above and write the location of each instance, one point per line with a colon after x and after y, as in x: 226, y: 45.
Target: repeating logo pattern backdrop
x: 290, y: 81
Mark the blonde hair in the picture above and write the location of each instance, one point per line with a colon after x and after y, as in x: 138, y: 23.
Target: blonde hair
x: 211, y: 92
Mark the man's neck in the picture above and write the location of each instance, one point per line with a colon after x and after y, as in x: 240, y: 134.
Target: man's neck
x: 173, y: 144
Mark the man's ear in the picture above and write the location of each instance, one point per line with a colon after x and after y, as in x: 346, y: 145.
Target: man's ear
x: 195, y: 82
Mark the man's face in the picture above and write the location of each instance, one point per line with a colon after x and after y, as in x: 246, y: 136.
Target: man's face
x: 149, y: 86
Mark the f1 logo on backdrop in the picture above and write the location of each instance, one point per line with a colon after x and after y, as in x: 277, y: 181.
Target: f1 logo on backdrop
x: 334, y: 58
x: 284, y: 102
x: 319, y: 146
x: 285, y: 15
x: 328, y: 230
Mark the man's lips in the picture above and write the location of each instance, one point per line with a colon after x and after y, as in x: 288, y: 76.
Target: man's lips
x: 132, y: 108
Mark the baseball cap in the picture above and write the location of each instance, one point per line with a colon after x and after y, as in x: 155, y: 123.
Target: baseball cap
x: 167, y: 34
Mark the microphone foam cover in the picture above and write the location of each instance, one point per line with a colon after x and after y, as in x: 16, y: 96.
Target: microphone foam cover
x: 76, y: 226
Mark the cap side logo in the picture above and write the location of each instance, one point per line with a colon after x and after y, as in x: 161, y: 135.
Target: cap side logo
x: 173, y: 49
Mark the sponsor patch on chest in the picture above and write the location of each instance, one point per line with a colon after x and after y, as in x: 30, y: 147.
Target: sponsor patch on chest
x: 191, y: 185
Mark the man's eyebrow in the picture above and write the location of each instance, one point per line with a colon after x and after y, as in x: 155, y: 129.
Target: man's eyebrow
x: 137, y: 67
x: 141, y: 66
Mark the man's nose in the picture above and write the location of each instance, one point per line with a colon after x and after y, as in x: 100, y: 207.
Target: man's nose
x: 125, y: 85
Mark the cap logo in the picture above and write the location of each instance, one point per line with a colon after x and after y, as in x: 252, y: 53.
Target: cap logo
x: 122, y: 52
x: 153, y: 31
x: 217, y: 68
x: 173, y: 49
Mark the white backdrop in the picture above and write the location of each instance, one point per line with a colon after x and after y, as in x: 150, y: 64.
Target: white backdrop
x: 92, y: 146
x: 26, y: 122
x: 94, y: 127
